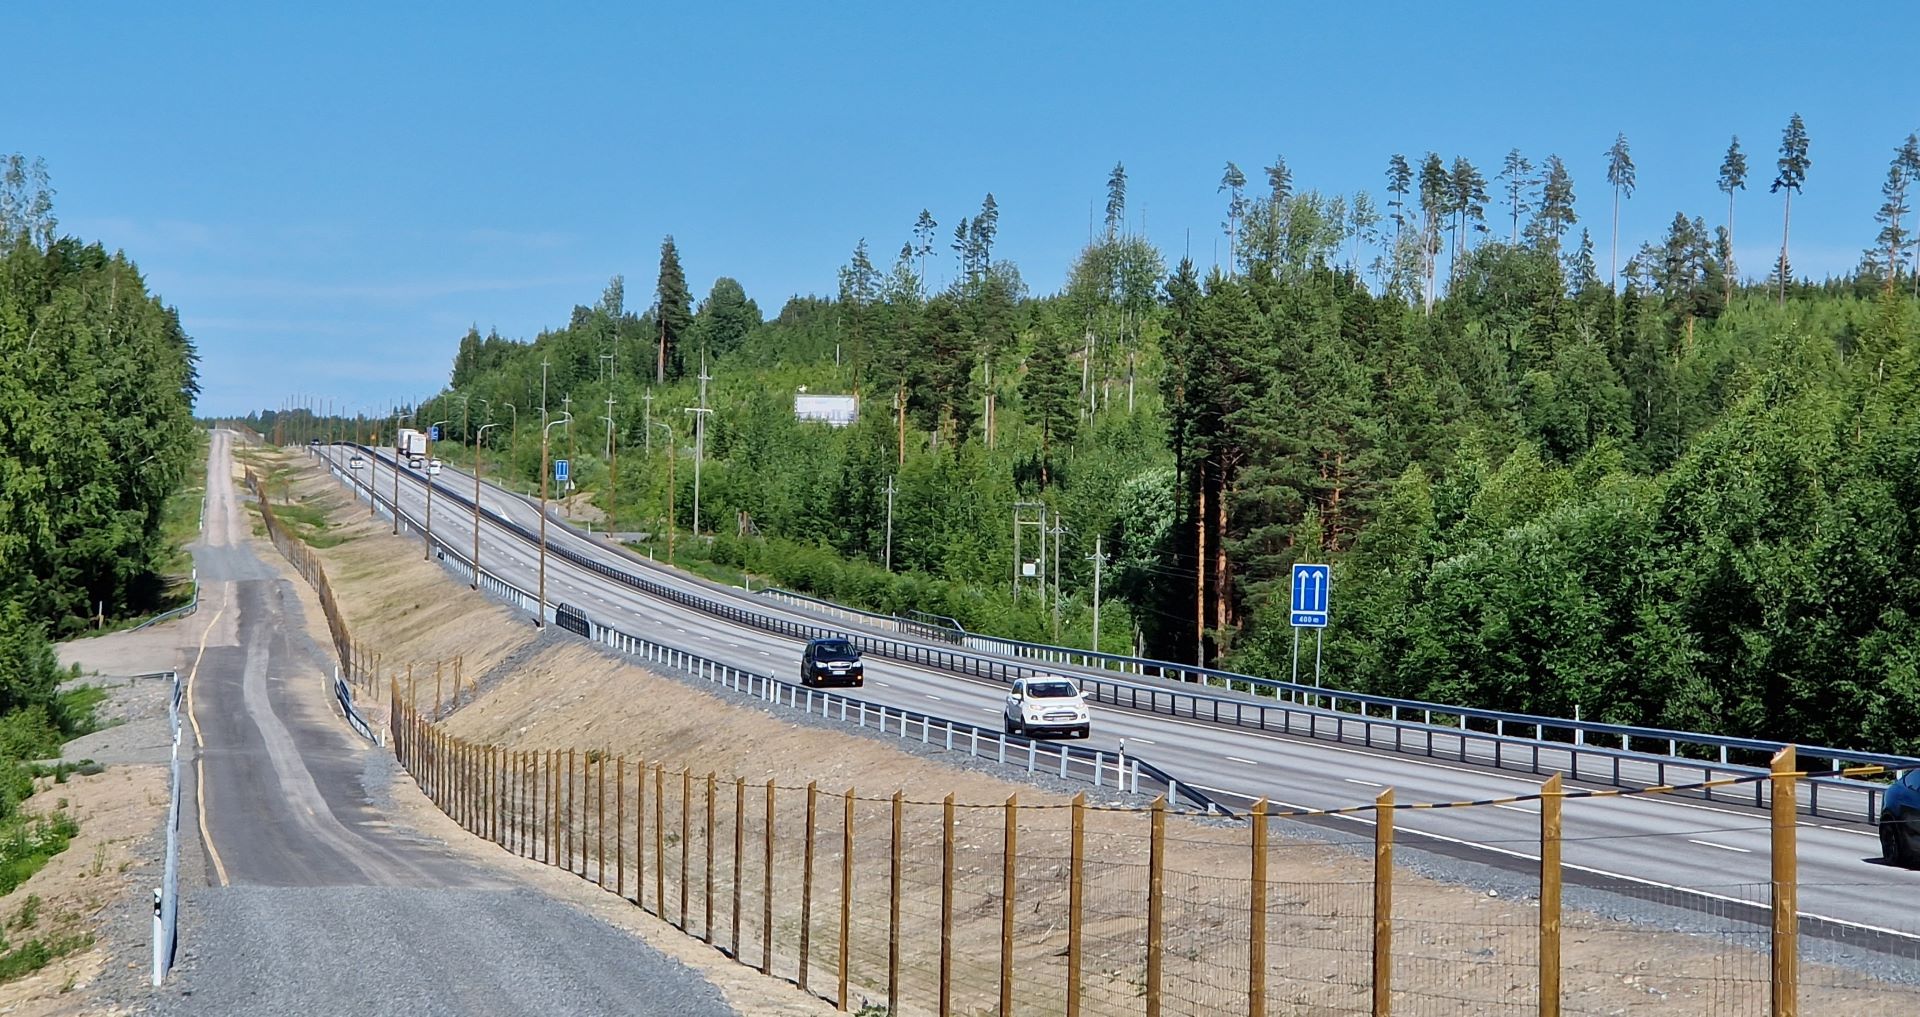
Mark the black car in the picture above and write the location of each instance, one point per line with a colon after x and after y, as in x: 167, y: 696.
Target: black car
x: 1900, y: 821
x: 833, y: 660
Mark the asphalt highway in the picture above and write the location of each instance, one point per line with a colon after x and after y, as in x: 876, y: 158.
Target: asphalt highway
x: 1709, y: 852
x: 319, y: 899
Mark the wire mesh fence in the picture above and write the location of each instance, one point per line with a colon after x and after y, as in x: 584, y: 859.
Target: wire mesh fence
x: 924, y: 907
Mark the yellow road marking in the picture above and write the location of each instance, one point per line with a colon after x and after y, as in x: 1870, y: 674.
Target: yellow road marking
x: 199, y: 760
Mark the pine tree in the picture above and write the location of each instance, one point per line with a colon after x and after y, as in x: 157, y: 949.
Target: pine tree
x: 673, y: 315
x: 1892, y: 216
x: 1234, y: 183
x: 1469, y: 202
x: 1517, y: 173
x: 981, y: 233
x: 1793, y: 174
x: 1910, y: 163
x: 1436, y: 196
x: 1279, y: 180
x: 1399, y: 183
x: 923, y: 239
x: 1733, y: 177
x: 1116, y: 200
x: 1556, y: 215
x: 1620, y: 178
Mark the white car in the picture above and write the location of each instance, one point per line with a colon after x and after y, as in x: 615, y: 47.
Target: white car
x: 357, y: 463
x: 1047, y: 705
x: 433, y: 468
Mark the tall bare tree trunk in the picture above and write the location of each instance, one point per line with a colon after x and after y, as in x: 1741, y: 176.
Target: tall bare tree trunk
x: 1200, y: 521
x: 1223, y: 605
x: 1786, y: 234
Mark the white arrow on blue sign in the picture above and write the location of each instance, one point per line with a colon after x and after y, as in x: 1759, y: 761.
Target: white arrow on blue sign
x: 435, y: 429
x: 560, y: 470
x: 1311, y: 585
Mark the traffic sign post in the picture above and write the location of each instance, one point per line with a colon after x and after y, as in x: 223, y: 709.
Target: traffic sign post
x: 433, y: 432
x: 560, y: 472
x: 1312, y: 585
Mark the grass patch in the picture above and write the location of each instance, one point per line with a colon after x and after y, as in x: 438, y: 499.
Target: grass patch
x: 76, y: 707
x: 27, y: 842
x: 37, y: 953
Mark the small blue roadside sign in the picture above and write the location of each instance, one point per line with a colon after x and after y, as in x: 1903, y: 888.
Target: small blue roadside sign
x: 1310, y: 588
x: 560, y: 470
x: 434, y: 432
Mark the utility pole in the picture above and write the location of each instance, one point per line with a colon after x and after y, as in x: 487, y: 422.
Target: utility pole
x: 670, y: 521
x: 889, y: 524
x: 646, y: 425
x: 543, y: 391
x: 566, y: 407
x: 540, y: 609
x: 699, y: 440
x: 1099, y: 558
x: 396, y: 471
x: 613, y: 471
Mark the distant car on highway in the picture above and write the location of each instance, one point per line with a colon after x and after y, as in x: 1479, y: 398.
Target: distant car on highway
x: 357, y: 463
x: 832, y: 659
x: 1047, y: 705
x: 1900, y: 821
x: 433, y: 467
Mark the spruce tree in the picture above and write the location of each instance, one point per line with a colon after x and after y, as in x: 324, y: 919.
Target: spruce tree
x: 673, y: 314
x: 1793, y: 165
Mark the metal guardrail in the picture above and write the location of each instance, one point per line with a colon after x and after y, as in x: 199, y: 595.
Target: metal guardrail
x: 1370, y: 721
x: 343, y: 694
x: 1068, y: 761
x: 166, y: 896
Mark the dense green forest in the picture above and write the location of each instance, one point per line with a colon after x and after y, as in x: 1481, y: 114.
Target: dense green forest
x: 97, y: 382
x: 1655, y: 488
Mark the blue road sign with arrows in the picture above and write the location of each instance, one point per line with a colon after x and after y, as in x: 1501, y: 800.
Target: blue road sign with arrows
x: 560, y: 470
x: 1311, y: 585
x: 434, y: 431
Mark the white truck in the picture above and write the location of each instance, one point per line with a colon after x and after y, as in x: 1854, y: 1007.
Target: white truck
x: 410, y: 444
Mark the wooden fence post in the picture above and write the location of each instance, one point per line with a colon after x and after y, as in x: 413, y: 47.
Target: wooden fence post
x: 569, y: 834
x: 1156, y: 904
x: 1786, y: 896
x: 806, y: 888
x: 552, y: 809
x: 1076, y: 878
x: 600, y: 818
x: 436, y: 691
x: 620, y: 826
x: 846, y: 894
x: 766, y: 899
x: 1009, y: 854
x: 686, y: 837
x: 1550, y: 897
x: 893, y: 906
x: 946, y: 907
x: 640, y: 833
x: 1257, y: 914
x: 660, y: 839
x: 707, y: 929
x: 1383, y: 904
x: 739, y: 848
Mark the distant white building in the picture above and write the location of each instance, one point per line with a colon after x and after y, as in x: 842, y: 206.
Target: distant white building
x: 836, y: 410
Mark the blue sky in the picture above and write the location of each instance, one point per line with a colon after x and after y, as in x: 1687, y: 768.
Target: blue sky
x: 332, y: 195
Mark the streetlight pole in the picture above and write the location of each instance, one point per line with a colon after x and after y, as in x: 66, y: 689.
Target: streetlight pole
x: 670, y: 523
x: 427, y: 555
x: 540, y: 610
x: 699, y: 441
x: 476, y: 500
x: 396, y: 471
x: 890, y: 492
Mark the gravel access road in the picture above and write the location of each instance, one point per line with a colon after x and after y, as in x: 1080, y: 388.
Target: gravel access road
x: 304, y: 895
